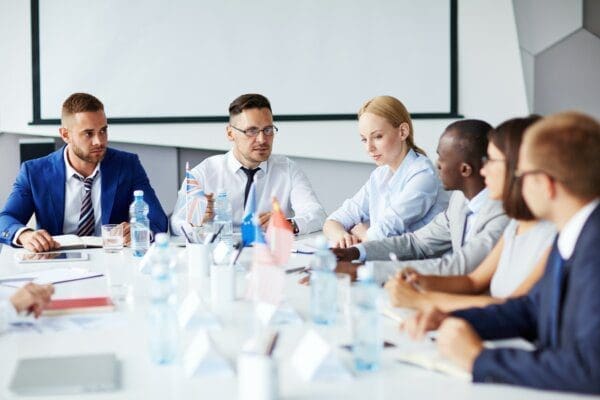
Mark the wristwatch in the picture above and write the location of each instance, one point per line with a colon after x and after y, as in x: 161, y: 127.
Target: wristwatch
x: 294, y: 226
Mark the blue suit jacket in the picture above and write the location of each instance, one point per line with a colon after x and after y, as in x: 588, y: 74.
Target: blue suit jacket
x: 40, y: 189
x: 574, y: 363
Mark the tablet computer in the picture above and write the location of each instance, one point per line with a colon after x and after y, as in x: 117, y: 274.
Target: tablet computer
x: 53, y: 256
x: 76, y: 374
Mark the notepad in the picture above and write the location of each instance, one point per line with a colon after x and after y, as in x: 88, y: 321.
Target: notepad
x: 77, y: 306
x: 432, y: 361
x: 73, y: 242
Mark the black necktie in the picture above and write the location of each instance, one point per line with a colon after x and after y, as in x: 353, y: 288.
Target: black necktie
x: 250, y: 174
x: 87, y: 221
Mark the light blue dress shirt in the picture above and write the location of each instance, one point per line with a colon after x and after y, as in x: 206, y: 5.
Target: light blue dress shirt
x: 395, y: 202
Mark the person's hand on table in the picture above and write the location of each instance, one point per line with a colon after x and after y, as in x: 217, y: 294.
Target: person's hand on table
x: 37, y: 241
x: 403, y: 292
x: 458, y: 341
x: 263, y: 219
x: 209, y: 214
x: 32, y: 298
x: 360, y: 231
x: 126, y: 233
x: 346, y: 267
x: 422, y: 322
x: 348, y: 254
x: 347, y: 240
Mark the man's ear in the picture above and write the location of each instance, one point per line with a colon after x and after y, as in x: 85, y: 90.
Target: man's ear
x: 229, y: 133
x: 466, y: 170
x: 64, y: 134
x: 550, y: 186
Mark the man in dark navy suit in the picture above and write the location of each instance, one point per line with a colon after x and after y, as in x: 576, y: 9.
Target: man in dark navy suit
x: 559, y: 164
x: 78, y: 188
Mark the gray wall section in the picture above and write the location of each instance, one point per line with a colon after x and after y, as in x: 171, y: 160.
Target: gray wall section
x: 567, y: 75
x: 560, y: 53
x: 591, y: 16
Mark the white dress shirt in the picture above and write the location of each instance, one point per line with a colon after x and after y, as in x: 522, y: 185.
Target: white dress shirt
x: 278, y: 176
x: 74, y: 192
x: 474, y: 205
x: 395, y: 202
x: 567, y: 238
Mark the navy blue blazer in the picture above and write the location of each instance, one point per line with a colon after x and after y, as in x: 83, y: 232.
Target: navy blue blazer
x: 573, y: 364
x: 40, y: 189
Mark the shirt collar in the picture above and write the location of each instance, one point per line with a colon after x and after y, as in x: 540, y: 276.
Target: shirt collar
x: 70, y: 171
x: 404, y: 165
x: 234, y: 165
x: 477, y: 202
x: 568, y: 236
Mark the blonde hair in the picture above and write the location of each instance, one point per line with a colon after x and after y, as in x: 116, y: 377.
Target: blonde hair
x: 567, y: 146
x: 395, y: 113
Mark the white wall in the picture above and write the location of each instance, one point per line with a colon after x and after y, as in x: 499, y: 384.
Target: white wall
x: 491, y: 87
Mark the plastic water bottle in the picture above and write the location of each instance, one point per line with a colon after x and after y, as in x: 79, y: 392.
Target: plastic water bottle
x: 164, y: 334
x: 223, y: 218
x: 323, y: 284
x: 139, y: 224
x: 366, y: 326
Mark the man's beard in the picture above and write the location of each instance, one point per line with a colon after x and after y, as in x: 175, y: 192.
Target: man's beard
x: 88, y: 157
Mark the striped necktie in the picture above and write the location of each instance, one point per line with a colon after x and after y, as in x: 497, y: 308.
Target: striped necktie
x: 87, y: 221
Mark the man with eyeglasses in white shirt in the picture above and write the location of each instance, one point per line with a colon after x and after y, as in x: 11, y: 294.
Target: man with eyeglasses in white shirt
x: 251, y: 130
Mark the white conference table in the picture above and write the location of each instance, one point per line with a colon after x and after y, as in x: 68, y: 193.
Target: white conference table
x: 128, y: 339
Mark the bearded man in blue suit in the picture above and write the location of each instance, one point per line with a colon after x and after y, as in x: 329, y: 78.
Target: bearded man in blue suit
x: 78, y: 188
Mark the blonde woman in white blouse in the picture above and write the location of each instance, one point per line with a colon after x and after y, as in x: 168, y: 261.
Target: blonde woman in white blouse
x: 404, y: 192
x: 517, y: 261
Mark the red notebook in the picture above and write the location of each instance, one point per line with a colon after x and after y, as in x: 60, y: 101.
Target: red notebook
x: 81, y: 305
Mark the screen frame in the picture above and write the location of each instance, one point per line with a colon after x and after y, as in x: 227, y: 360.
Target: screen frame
x: 36, y: 87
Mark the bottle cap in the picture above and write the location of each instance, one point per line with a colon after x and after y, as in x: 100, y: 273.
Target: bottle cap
x: 321, y: 243
x: 365, y: 272
x: 138, y: 193
x: 162, y: 239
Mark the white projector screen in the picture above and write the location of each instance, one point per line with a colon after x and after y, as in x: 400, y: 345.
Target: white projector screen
x: 185, y: 60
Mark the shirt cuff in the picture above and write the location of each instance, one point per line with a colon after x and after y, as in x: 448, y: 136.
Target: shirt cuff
x: 362, y: 253
x: 17, y: 234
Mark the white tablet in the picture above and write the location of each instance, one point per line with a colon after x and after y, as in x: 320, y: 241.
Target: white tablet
x: 53, y: 256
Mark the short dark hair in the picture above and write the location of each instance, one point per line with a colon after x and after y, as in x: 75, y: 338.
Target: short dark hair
x: 80, y: 102
x: 247, y: 101
x: 507, y: 137
x: 472, y: 140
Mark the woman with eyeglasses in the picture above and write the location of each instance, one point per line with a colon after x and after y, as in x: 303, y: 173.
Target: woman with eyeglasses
x: 404, y: 192
x: 517, y: 261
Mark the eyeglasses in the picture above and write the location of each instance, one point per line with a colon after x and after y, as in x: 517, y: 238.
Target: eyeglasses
x: 522, y: 174
x: 252, y: 132
x: 485, y: 160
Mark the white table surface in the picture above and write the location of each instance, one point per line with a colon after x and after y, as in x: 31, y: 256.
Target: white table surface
x: 144, y: 380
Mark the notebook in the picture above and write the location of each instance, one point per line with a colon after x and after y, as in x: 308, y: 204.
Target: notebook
x: 80, y: 305
x: 67, y: 375
x: 73, y: 242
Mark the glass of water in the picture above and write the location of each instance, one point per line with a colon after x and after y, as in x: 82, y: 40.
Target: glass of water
x: 112, y: 238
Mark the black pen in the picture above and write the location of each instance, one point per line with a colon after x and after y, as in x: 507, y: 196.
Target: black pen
x: 216, y: 235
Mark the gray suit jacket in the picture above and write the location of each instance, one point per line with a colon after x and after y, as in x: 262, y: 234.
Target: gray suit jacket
x: 437, y: 248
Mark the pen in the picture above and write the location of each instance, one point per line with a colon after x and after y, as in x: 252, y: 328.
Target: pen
x: 216, y: 235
